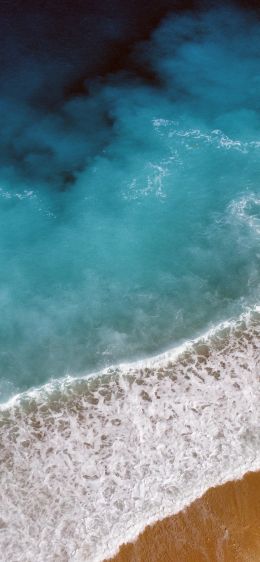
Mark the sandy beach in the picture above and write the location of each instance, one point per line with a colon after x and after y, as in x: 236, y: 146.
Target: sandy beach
x: 222, y: 526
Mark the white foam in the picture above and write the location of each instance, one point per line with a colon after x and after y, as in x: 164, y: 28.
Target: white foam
x: 89, y: 468
x: 178, y: 139
x: 215, y: 137
x: 23, y: 194
x: 245, y: 209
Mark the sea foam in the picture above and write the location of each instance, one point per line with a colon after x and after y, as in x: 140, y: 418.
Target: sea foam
x: 89, y: 463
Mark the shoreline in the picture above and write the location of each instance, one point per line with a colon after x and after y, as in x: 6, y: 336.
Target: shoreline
x: 222, y: 525
x: 108, y: 456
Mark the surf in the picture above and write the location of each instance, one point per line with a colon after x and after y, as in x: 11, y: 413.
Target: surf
x: 138, y: 443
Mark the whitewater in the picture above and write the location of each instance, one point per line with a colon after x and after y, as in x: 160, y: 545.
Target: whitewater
x: 92, y: 462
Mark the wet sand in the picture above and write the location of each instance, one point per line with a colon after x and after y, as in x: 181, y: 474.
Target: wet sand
x: 222, y: 526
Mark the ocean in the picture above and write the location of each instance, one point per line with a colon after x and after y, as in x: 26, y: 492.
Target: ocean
x: 129, y: 289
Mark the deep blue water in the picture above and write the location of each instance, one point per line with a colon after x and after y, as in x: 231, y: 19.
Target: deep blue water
x: 129, y: 215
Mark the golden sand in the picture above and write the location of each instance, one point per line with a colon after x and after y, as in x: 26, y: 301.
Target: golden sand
x: 222, y: 526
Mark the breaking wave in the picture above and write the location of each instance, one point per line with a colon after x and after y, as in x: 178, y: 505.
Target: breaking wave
x: 91, y: 462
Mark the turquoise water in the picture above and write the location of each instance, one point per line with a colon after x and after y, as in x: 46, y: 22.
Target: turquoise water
x: 157, y: 236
